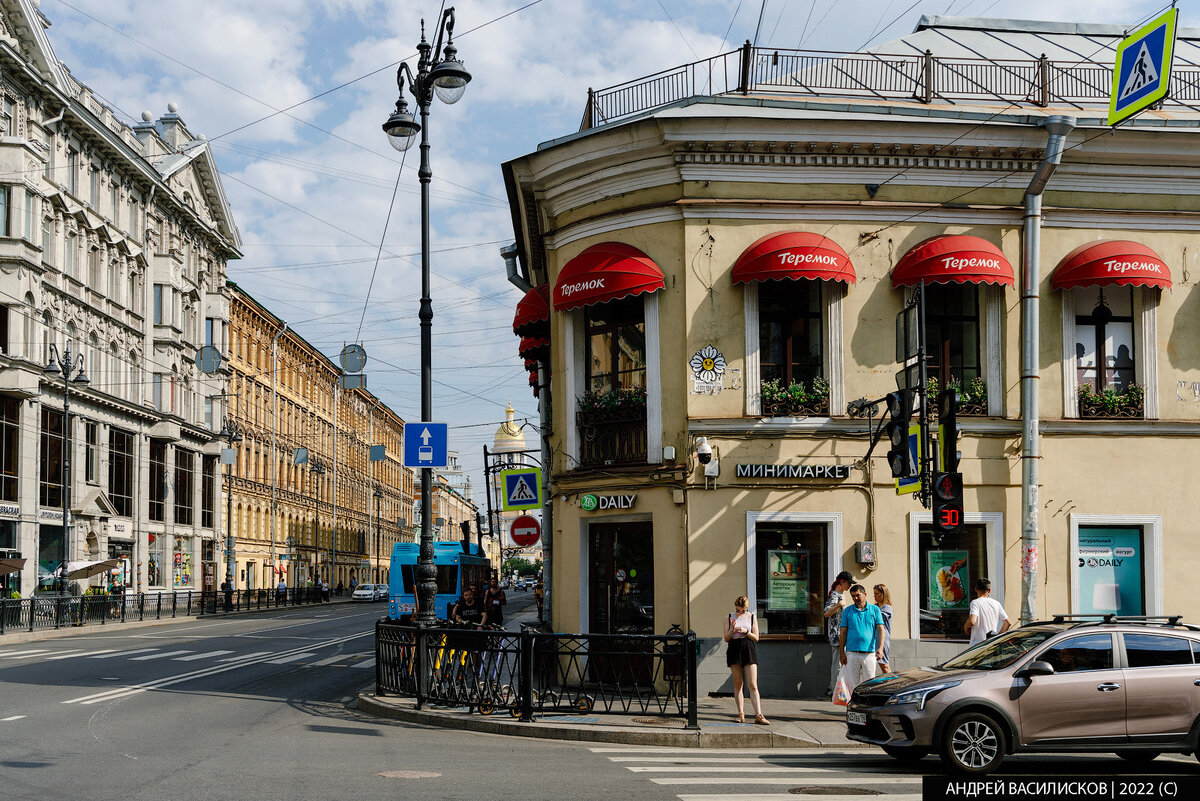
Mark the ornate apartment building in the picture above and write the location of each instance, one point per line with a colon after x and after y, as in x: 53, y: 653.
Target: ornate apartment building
x: 113, y: 247
x: 303, y: 436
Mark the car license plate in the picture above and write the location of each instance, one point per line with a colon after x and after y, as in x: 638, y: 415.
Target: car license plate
x: 856, y: 718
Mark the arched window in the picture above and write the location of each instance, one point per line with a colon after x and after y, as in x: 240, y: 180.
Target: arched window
x: 135, y: 378
x: 115, y: 385
x: 30, y: 332
x: 93, y: 360
x: 47, y: 326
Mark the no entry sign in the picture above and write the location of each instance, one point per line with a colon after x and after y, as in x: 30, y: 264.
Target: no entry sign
x: 525, y: 531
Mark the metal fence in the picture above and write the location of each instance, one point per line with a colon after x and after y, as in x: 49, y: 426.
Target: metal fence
x: 919, y: 77
x: 60, y: 611
x: 534, y: 672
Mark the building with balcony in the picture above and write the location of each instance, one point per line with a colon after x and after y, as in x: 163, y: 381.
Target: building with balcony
x: 113, y: 245
x: 302, y: 437
x: 724, y: 249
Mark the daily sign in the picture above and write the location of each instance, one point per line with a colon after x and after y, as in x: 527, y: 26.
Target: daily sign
x: 596, y: 503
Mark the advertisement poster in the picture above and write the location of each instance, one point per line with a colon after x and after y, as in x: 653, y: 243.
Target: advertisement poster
x: 1109, y: 561
x: 948, y: 580
x: 787, y: 580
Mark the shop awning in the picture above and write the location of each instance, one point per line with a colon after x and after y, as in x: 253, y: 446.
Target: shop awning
x: 791, y: 256
x: 536, y: 348
x: 604, y: 272
x: 1111, y: 261
x: 533, y: 313
x: 957, y: 259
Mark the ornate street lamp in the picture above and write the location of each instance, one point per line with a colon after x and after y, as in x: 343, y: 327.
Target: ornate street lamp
x: 318, y: 470
x: 378, y: 499
x: 231, y: 432
x: 447, y: 78
x: 70, y: 368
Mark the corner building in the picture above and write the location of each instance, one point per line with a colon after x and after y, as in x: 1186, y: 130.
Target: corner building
x: 730, y: 264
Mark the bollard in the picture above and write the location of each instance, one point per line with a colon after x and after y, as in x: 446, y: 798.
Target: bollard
x: 526, y: 653
x: 692, y: 648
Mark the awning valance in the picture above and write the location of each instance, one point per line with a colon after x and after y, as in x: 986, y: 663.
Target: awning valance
x: 792, y: 256
x: 604, y: 272
x: 953, y: 259
x: 1111, y: 261
x: 533, y: 313
x: 536, y: 348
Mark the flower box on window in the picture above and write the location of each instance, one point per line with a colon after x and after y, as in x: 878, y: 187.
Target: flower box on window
x: 1109, y: 403
x: 795, y: 400
x: 612, y: 427
x: 972, y: 399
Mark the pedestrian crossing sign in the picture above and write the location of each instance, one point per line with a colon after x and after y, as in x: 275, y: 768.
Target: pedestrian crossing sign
x: 521, y: 489
x: 1142, y: 73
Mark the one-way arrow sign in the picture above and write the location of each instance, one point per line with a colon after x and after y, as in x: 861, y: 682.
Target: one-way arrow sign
x: 425, y: 445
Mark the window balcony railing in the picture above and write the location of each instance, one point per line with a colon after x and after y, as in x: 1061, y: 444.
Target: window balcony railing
x: 972, y: 399
x: 1111, y: 404
x: 795, y: 400
x: 612, y: 427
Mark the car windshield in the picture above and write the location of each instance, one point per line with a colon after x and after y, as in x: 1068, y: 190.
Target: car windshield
x: 1000, y: 652
x: 365, y: 587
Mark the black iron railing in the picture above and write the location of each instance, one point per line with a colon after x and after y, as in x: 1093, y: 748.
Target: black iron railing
x: 919, y: 77
x: 534, y: 672
x: 59, y: 611
x: 611, y: 439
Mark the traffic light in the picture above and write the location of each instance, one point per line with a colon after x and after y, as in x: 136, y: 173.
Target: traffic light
x: 948, y: 503
x: 948, y: 430
x: 899, y: 406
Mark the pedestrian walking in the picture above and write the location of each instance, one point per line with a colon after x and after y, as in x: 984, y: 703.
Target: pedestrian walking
x: 861, y: 638
x: 883, y: 599
x: 835, y: 601
x: 986, y: 616
x: 538, y: 597
x: 281, y: 591
x: 494, y: 600
x: 227, y: 588
x: 741, y: 655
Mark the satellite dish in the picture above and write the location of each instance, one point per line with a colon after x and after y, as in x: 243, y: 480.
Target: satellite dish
x: 208, y: 359
x: 354, y: 358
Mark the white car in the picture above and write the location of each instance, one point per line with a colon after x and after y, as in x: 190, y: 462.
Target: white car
x: 365, y: 592
x: 381, y: 592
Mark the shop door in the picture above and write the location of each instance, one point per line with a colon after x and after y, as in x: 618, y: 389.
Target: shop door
x: 621, y: 578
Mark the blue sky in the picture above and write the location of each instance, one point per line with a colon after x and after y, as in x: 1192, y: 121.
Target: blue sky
x: 311, y: 189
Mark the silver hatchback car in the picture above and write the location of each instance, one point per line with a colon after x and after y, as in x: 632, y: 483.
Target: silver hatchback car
x: 1129, y: 686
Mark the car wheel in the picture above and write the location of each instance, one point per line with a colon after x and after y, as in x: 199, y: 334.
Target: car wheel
x: 973, y: 743
x: 1138, y: 757
x: 906, y: 753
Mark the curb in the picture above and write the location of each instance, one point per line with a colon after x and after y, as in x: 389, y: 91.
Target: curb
x: 624, y: 735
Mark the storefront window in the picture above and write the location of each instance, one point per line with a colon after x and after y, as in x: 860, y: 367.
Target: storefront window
x: 50, y: 557
x: 181, y: 563
x: 947, y: 567
x: 790, y: 578
x: 10, y: 437
x: 120, y: 471
x: 208, y: 492
x: 1111, y: 563
x: 154, y: 560
x: 185, y: 467
x: 158, y: 480
x: 51, y: 482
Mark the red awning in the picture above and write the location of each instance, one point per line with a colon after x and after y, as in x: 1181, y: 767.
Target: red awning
x: 604, y: 272
x: 1111, y: 261
x: 533, y: 313
x: 533, y: 348
x: 957, y: 259
x: 791, y: 256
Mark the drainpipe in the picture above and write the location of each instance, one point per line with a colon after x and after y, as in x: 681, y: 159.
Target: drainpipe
x: 509, y: 254
x: 1058, y: 127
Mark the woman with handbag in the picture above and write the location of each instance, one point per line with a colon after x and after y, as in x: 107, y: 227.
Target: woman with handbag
x: 741, y: 655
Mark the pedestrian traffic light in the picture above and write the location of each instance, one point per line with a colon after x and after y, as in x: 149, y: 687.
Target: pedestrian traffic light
x: 947, y: 503
x: 900, y: 459
x: 948, y: 429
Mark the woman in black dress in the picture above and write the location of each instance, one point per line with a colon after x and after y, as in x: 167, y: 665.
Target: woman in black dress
x: 741, y: 654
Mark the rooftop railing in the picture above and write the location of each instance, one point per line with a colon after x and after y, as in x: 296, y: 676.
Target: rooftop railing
x: 923, y: 78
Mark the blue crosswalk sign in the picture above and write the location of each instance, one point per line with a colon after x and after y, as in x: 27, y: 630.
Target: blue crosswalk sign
x: 1142, y: 73
x: 425, y: 445
x: 522, y: 489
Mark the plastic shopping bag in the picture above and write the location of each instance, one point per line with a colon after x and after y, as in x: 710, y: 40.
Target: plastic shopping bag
x: 841, y: 691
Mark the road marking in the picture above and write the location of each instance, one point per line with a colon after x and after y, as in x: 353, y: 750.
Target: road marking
x: 200, y: 656
x: 789, y: 797
x: 367, y: 663
x: 247, y: 656
x: 329, y: 661
x: 65, y: 655
x: 807, y: 752
x: 27, y: 654
x: 829, y: 781
x: 121, y: 653
x: 163, y: 655
x: 13, y: 717
x: 292, y: 658
x: 24, y: 653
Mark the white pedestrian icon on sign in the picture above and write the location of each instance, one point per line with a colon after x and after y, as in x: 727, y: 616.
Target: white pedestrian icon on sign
x: 1142, y: 75
x: 521, y: 492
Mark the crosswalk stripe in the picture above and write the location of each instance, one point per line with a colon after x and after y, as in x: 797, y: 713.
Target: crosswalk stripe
x: 329, y: 660
x: 791, y: 797
x: 292, y: 658
x: 11, y: 717
x: 23, y: 653
x: 366, y: 663
x: 163, y: 655
x: 65, y: 655
x: 821, y: 754
x: 875, y: 781
x: 121, y: 653
x: 29, y: 654
x: 246, y: 656
x: 206, y: 655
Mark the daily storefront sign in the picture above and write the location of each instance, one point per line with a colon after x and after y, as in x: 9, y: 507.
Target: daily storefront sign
x: 802, y: 470
x: 787, y: 581
x: 598, y: 503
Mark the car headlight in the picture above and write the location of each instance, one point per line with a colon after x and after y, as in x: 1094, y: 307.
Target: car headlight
x: 921, y: 695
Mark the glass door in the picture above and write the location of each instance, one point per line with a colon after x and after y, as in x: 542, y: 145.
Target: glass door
x: 621, y: 578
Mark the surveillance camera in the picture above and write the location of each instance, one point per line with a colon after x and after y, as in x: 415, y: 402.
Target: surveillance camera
x: 703, y: 450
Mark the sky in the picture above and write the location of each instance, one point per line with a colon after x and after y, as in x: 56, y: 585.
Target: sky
x: 312, y: 188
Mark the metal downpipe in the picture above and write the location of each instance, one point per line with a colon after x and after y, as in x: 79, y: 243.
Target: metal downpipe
x: 1058, y: 127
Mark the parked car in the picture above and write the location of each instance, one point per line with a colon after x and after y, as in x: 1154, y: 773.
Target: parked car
x: 364, y: 592
x: 381, y: 592
x: 1129, y: 686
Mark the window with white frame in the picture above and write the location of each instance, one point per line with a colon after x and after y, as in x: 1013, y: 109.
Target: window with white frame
x: 1116, y: 564
x: 946, y: 566
x: 791, y: 558
x: 1109, y: 352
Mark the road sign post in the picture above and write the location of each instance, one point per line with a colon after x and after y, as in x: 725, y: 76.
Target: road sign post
x: 1142, y: 72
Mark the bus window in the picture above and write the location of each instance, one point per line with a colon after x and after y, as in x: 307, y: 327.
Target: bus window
x: 447, y: 579
x: 406, y: 575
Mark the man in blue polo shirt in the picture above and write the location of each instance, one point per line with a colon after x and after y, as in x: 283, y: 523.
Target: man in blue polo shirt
x: 861, y: 638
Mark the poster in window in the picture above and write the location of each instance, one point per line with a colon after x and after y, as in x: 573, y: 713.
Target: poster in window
x: 787, y: 580
x: 948, y: 579
x: 1109, y: 561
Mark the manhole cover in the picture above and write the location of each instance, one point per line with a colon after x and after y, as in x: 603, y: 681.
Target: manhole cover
x: 408, y: 774
x: 650, y: 721
x: 821, y: 790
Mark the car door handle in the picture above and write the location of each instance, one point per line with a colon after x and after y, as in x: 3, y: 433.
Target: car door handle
x: 1108, y: 687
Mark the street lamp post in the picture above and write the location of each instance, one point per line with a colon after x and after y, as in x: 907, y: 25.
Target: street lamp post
x: 231, y: 432
x: 70, y: 367
x: 318, y: 470
x: 378, y: 500
x: 448, y: 79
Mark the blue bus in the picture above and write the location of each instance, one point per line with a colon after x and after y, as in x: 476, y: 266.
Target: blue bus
x: 456, y: 562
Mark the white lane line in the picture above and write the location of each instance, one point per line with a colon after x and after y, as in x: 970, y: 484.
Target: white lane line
x: 823, y: 760
x: 73, y: 654
x: 163, y: 655
x: 292, y: 658
x: 28, y: 654
x: 14, y: 717
x: 122, y: 653
x: 247, y: 656
x: 813, y: 753
x: 829, y: 781
x: 366, y: 663
x: 205, y: 655
x: 789, y: 797
x: 22, y: 653
x: 329, y: 661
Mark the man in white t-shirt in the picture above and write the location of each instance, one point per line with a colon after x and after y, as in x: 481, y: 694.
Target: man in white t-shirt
x: 987, y: 615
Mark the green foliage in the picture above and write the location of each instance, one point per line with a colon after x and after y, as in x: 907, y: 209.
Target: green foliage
x: 972, y: 399
x: 795, y: 400
x: 95, y: 591
x: 1110, y: 403
x: 520, y: 566
x: 626, y: 400
x: 15, y: 595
